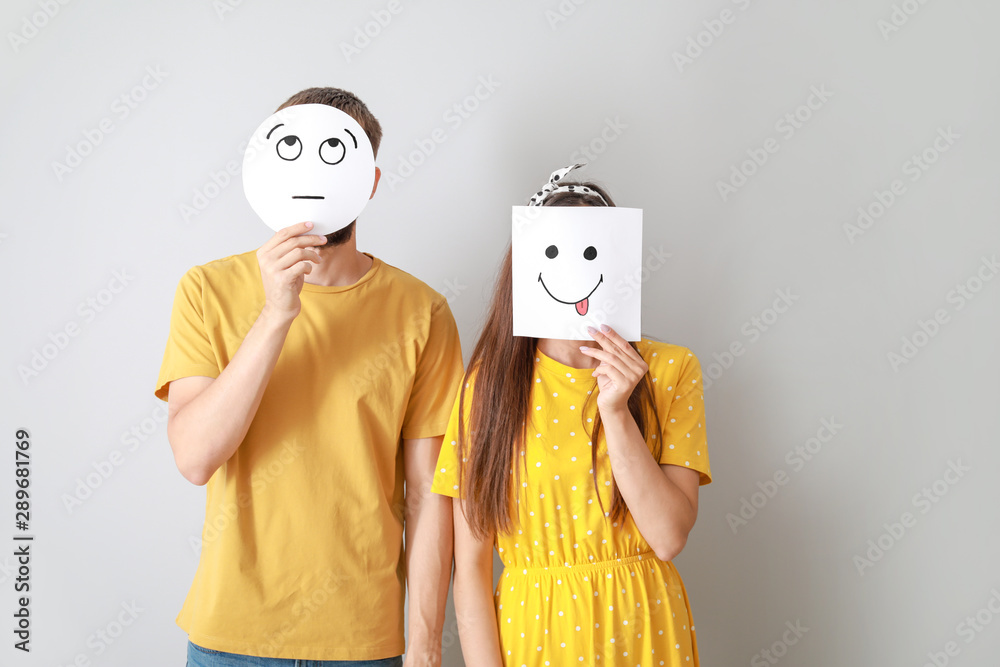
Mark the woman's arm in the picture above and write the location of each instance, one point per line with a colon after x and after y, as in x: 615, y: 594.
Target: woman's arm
x: 663, y: 499
x: 473, y: 591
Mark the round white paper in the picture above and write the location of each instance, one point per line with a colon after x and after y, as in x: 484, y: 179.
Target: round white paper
x: 309, y: 162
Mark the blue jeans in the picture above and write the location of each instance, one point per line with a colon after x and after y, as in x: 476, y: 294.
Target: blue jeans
x: 199, y: 656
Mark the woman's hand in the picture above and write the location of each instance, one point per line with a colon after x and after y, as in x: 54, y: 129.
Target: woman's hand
x: 620, y: 370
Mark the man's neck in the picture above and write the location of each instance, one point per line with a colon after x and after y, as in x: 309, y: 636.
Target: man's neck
x: 340, y: 266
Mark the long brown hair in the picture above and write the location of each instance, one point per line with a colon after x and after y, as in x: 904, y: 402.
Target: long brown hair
x: 501, y: 367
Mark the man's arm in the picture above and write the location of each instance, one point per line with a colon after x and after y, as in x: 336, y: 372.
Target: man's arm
x: 208, y: 418
x: 428, y: 526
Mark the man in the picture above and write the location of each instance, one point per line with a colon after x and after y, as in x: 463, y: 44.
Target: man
x: 305, y: 381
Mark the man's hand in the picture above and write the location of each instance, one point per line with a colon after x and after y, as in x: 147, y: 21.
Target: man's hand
x: 284, y: 261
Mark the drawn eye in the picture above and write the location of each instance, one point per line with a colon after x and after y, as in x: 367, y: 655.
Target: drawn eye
x: 551, y: 252
x: 590, y: 252
x: 289, y: 148
x: 332, y: 151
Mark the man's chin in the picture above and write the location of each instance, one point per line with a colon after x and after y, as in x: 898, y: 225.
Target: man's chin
x: 339, y: 237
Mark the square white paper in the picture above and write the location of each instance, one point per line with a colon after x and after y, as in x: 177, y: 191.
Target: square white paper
x: 574, y: 267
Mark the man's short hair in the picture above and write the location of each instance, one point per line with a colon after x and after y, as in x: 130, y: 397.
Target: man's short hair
x: 347, y: 102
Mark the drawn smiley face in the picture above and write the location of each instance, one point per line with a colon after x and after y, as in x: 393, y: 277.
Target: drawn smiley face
x: 309, y: 162
x: 574, y: 267
x: 589, y: 254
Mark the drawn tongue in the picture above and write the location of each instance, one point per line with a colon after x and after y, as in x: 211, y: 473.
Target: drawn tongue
x: 581, y: 306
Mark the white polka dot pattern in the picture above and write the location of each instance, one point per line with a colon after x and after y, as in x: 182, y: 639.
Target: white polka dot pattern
x: 577, y: 585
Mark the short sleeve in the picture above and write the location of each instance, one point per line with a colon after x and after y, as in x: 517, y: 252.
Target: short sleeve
x: 446, y: 473
x: 681, y: 404
x: 189, y: 350
x: 437, y: 378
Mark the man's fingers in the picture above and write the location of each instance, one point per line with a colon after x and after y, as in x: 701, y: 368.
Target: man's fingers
x: 289, y: 245
x: 285, y: 233
x: 294, y: 256
x: 300, y: 269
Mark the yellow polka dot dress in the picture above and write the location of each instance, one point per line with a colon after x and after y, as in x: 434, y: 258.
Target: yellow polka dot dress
x: 578, y: 588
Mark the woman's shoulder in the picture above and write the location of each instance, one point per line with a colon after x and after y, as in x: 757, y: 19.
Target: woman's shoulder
x: 467, y: 388
x: 664, y: 352
x: 668, y: 361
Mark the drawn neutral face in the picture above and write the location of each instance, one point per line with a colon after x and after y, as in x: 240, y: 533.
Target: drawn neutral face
x: 559, y: 272
x: 574, y: 267
x: 309, y: 162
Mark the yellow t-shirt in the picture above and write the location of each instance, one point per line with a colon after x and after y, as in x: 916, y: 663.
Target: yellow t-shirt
x: 302, y: 551
x: 576, y: 583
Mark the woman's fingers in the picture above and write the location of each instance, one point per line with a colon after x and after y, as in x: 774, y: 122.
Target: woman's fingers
x: 611, y: 342
x: 616, y: 376
x: 622, y: 344
x: 609, y: 359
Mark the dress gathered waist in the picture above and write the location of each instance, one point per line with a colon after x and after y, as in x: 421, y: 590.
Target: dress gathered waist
x: 609, y: 564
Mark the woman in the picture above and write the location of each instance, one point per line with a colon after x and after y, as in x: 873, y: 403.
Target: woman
x: 580, y: 463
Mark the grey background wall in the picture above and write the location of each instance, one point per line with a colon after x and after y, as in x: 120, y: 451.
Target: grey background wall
x: 850, y: 357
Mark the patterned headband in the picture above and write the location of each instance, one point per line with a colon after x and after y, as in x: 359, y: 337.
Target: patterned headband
x: 552, y: 187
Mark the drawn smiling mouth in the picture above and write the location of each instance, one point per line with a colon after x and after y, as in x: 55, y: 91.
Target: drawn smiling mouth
x: 308, y: 197
x: 583, y: 304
